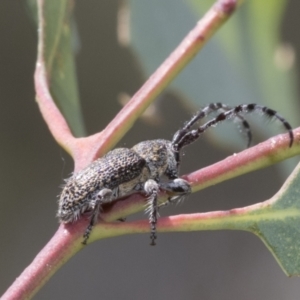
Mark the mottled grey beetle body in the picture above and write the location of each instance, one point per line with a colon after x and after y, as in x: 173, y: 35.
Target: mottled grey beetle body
x: 120, y: 172
x: 124, y: 171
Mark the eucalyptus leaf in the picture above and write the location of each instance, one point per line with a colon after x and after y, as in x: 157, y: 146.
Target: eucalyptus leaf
x: 278, y: 225
x: 59, y: 44
x: 243, y: 63
x: 275, y: 221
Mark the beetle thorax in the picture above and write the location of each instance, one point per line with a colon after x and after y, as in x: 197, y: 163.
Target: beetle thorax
x: 158, y: 155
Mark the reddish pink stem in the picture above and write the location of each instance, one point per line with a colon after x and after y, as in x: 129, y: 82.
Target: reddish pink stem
x: 66, y: 241
x: 50, y: 112
x: 262, y: 155
x: 167, y: 71
x: 85, y: 150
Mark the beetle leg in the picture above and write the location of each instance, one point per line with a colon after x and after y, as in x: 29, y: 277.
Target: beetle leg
x: 151, y: 188
x: 179, y: 187
x: 104, y: 196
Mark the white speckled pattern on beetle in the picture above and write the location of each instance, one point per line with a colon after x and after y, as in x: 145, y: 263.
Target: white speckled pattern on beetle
x: 124, y: 171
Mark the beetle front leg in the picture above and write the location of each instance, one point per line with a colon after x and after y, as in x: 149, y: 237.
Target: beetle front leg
x: 151, y: 188
x: 104, y: 196
x: 179, y: 187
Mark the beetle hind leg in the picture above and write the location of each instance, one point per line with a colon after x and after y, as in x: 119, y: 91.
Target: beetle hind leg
x: 104, y: 196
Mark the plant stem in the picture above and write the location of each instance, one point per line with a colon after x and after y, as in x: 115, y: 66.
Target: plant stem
x: 65, y: 242
x: 166, y: 72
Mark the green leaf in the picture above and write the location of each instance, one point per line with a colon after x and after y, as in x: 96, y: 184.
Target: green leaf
x: 243, y: 63
x: 275, y: 221
x: 278, y: 225
x: 59, y: 44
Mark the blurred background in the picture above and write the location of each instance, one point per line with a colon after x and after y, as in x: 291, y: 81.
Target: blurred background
x: 199, y: 265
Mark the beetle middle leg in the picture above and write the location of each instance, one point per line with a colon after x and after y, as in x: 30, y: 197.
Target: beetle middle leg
x: 104, y: 196
x: 151, y: 189
x: 178, y: 186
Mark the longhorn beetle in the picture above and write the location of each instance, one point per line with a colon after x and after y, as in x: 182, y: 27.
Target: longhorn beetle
x: 140, y: 169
